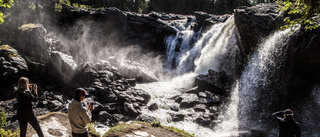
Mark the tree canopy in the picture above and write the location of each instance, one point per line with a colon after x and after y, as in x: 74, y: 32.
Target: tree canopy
x: 167, y: 6
x: 304, y: 12
x: 5, y: 4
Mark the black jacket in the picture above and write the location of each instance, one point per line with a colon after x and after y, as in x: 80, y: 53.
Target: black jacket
x: 287, y: 127
x: 24, y: 102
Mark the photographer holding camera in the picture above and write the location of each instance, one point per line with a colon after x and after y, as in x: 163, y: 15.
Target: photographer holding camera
x: 288, y: 127
x: 78, y: 116
x: 25, y: 113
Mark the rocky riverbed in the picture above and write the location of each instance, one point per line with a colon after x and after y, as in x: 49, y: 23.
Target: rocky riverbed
x: 99, y: 50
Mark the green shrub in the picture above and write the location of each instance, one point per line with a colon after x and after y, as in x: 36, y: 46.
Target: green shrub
x: 156, y: 123
x: 138, y: 125
x: 93, y: 131
x: 122, y: 127
x: 179, y: 131
x: 3, y: 119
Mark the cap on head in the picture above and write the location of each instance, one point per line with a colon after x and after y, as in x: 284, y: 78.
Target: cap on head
x: 80, y: 91
x: 288, y: 112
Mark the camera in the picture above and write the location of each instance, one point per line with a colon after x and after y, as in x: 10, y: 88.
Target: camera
x: 30, y: 86
x: 91, y: 103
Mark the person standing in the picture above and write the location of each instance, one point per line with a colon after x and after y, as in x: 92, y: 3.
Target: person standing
x: 288, y: 127
x: 78, y: 116
x: 25, y: 113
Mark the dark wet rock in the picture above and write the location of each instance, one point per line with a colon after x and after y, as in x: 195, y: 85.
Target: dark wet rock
x: 152, y: 27
x: 202, y: 94
x: 188, y: 100
x: 131, y: 110
x: 175, y: 117
x: 204, y: 119
x: 138, y: 71
x: 132, y: 82
x: 106, y: 95
x: 260, y: 20
x: 214, y: 98
x: 192, y: 90
x: 63, y: 64
x: 54, y: 105
x: 215, y: 82
x: 175, y: 108
x: 134, y: 95
x: 113, y: 108
x: 6, y: 91
x: 110, y: 98
x: 85, y: 74
x: 10, y: 108
x: 146, y: 118
x: 206, y: 20
x: 98, y: 76
x: 13, y: 125
x: 302, y: 53
x: 200, y: 108
x: 213, y: 109
x: 12, y: 66
x: 11, y: 63
x: 108, y: 119
x: 46, y: 95
x: 303, y: 60
x: 32, y: 43
x: 153, y: 107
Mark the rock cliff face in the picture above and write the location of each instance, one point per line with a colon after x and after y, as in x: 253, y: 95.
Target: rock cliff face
x: 256, y: 23
x: 147, y: 30
x: 302, y: 63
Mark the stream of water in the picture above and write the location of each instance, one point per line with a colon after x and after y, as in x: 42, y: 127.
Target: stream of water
x: 217, y: 50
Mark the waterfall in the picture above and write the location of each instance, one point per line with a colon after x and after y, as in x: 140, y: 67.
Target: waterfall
x: 181, y: 41
x: 214, y: 53
x: 229, y: 122
x: 216, y: 49
x: 179, y: 44
x: 307, y: 113
x: 258, y: 76
x: 247, y: 109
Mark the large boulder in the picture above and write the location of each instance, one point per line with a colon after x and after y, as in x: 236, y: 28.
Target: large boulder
x: 137, y: 71
x: 303, y: 62
x: 153, y: 28
x: 97, y: 74
x: 302, y: 55
x: 12, y: 67
x: 11, y: 63
x: 255, y: 23
x: 134, y: 96
x: 215, y: 82
x: 32, y: 42
x: 206, y: 20
x: 63, y: 64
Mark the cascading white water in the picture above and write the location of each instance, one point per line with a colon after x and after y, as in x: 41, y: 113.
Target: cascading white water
x: 306, y: 112
x: 216, y: 47
x: 186, y: 62
x: 172, y: 42
x: 209, y: 52
x: 216, y: 50
x: 214, y: 54
x: 255, y: 81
